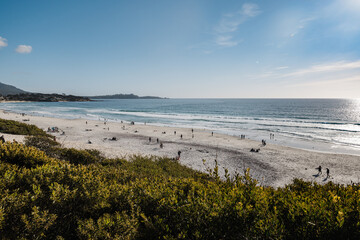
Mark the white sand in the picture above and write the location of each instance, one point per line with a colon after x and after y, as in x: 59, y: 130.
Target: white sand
x: 273, y: 165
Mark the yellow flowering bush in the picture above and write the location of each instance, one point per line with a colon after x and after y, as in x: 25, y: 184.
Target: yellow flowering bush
x: 84, y: 196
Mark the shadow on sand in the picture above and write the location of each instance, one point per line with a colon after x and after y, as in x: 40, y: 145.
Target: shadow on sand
x: 319, y: 174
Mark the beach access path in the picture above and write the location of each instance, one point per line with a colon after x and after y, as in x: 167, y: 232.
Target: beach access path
x: 273, y: 165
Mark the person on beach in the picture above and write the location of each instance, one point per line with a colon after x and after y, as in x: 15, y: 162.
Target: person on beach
x: 181, y: 136
x: 319, y: 169
x: 174, y: 132
x: 179, y: 152
x: 149, y: 139
x: 327, y: 173
x: 157, y: 140
x: 192, y: 130
x: 212, y: 133
x: 161, y: 145
x: 2, y: 139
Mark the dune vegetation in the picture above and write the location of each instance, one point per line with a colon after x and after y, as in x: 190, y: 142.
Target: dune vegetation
x: 50, y: 192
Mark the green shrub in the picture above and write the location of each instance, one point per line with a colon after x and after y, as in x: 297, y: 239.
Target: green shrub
x: 75, y: 156
x: 21, y: 155
x: 43, y: 143
x: 14, y: 127
x: 115, y: 226
x: 151, y: 198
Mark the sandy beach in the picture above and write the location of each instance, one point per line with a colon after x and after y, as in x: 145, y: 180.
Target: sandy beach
x: 272, y: 165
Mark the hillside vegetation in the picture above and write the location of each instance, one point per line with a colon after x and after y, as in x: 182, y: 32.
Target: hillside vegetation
x: 6, y: 89
x: 49, y: 192
x: 14, y: 127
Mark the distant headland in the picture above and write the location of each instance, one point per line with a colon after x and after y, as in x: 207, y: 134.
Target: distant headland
x: 123, y: 96
x: 41, y: 97
x: 11, y: 93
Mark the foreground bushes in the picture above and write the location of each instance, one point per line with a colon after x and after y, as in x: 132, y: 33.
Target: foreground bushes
x: 14, y: 127
x: 48, y: 198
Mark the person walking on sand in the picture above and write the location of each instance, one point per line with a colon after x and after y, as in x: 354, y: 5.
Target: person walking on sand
x: 179, y: 153
x: 319, y: 169
x: 149, y: 139
x: 327, y: 173
x: 161, y: 145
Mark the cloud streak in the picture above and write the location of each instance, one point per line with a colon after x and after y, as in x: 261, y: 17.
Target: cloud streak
x: 327, y: 82
x: 344, y: 67
x: 229, y: 24
x: 3, y: 42
x: 339, y: 77
x: 226, y: 41
x: 24, y: 49
x: 329, y: 67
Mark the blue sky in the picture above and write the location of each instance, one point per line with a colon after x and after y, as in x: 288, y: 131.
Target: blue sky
x: 183, y: 49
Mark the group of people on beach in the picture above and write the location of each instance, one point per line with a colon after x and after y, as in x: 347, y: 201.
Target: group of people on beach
x: 320, y: 171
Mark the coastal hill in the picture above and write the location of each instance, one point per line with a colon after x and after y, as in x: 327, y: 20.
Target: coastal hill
x: 6, y: 89
x: 11, y: 93
x: 41, y: 97
x: 123, y: 96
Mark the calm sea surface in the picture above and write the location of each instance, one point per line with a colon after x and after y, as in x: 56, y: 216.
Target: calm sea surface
x: 331, y: 125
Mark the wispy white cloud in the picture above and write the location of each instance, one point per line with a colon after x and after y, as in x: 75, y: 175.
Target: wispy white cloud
x: 345, y: 14
x: 250, y: 10
x: 352, y: 6
x: 328, y: 67
x: 3, y: 42
x: 300, y: 26
x: 226, y: 41
x: 230, y: 22
x: 23, y: 49
x: 281, y: 68
x: 331, y: 81
x: 335, y: 72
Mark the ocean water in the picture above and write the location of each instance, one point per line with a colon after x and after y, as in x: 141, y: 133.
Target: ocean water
x: 329, y: 125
